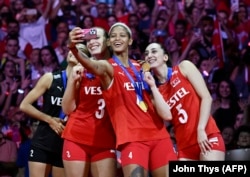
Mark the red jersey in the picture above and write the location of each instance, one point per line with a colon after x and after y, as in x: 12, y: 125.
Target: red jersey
x: 184, y: 104
x: 130, y: 123
x: 89, y: 124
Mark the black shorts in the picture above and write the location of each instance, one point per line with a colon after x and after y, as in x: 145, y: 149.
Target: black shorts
x: 43, y: 156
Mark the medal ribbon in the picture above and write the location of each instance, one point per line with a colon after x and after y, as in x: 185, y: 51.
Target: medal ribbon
x: 138, y: 85
x: 64, y: 78
x: 170, y: 70
x: 168, y: 76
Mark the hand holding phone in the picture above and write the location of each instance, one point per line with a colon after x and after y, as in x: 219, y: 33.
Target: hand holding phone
x: 89, y: 34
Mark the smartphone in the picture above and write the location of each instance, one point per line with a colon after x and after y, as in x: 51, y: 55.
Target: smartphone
x: 90, y: 33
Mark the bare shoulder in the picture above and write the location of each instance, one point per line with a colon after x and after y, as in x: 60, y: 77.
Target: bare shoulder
x: 187, y: 66
x: 45, y: 80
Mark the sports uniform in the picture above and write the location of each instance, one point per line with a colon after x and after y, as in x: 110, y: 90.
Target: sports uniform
x: 136, y: 131
x: 46, y: 145
x: 185, y: 104
x: 89, y: 132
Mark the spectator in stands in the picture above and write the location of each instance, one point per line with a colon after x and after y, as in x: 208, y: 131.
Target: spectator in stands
x: 112, y: 20
x: 239, y: 120
x: 240, y: 74
x: 241, y: 23
x: 10, y: 87
x: 60, y: 26
x: 121, y: 12
x: 25, y: 47
x: 69, y: 14
x: 102, y: 14
x: 61, y: 48
x: 17, y: 7
x: 11, y: 53
x: 6, y: 15
x: 49, y: 59
x: 181, y: 32
x: 35, y: 66
x: 225, y: 107
x: 8, y: 151
x: 144, y: 14
x: 228, y: 133
x: 242, y: 137
x: 32, y: 25
x: 86, y: 22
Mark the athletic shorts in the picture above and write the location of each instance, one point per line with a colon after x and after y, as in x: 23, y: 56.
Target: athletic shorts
x: 43, y: 156
x: 193, y: 152
x: 75, y: 151
x: 148, y: 154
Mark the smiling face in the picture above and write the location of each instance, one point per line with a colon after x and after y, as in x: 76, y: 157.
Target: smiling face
x: 119, y: 39
x: 227, y: 135
x: 224, y: 89
x: 97, y: 46
x: 155, y: 55
x: 244, y: 139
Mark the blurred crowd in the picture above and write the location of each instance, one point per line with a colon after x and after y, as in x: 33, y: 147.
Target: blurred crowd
x: 213, y: 34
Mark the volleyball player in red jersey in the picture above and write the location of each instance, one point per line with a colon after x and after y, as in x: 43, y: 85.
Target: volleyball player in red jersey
x: 183, y: 88
x: 89, y: 138
x: 141, y: 134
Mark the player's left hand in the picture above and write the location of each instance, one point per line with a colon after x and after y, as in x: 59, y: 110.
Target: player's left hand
x: 205, y: 145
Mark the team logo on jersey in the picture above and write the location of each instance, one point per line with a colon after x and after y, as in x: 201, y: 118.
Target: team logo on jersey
x: 175, y: 82
x: 56, y: 100
x: 114, y: 64
x: 60, y: 88
x: 214, y: 141
x: 121, y: 73
x: 93, y: 90
x: 57, y: 76
x: 174, y: 72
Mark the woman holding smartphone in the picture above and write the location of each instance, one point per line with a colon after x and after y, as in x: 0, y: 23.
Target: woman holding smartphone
x: 89, y: 139
x: 141, y: 134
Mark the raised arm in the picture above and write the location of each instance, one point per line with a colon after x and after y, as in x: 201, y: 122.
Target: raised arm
x: 69, y: 100
x: 102, y: 68
x: 47, y: 9
x: 54, y: 9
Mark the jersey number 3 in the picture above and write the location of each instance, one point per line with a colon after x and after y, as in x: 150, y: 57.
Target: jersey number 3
x: 100, y: 112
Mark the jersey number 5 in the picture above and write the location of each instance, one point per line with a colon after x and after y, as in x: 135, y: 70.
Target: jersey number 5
x: 183, y: 117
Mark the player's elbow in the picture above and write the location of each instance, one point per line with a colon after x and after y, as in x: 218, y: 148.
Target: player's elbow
x: 67, y: 107
x: 22, y: 106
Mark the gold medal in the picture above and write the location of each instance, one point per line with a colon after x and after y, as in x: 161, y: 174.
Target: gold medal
x: 145, y: 67
x: 143, y: 106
